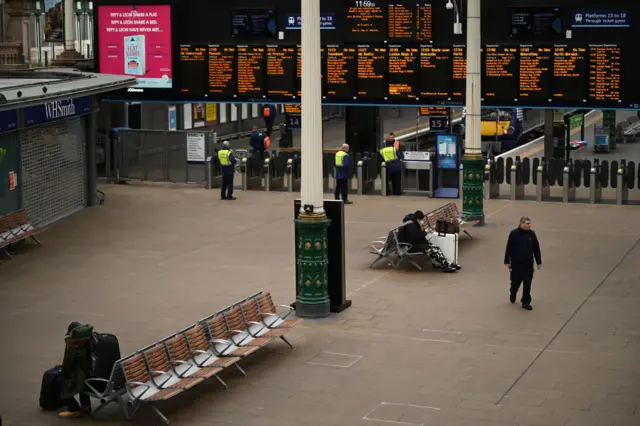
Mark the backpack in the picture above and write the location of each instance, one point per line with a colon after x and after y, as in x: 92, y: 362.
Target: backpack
x: 266, y: 111
x: 105, y: 351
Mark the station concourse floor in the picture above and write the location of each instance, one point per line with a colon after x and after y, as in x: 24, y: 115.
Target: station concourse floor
x: 416, y: 348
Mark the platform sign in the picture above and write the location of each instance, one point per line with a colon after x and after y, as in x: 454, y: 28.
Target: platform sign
x: 434, y: 111
x: 438, y: 124
x: 327, y: 21
x: 576, y: 121
x: 600, y: 19
x: 293, y: 116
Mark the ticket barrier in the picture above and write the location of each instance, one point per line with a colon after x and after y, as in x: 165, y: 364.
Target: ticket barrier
x: 543, y: 189
x: 568, y: 185
x: 365, y: 183
x: 622, y: 189
x: 595, y: 186
x: 418, y: 176
x: 214, y: 175
x: 491, y: 185
x: 252, y: 176
x: 272, y: 181
x: 517, y: 188
x: 292, y: 174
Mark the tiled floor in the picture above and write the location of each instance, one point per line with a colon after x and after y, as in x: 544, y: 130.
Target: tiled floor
x: 416, y: 347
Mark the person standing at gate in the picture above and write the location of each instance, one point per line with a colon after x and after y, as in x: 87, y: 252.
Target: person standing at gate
x: 522, y: 248
x: 269, y: 112
x: 342, y: 174
x: 256, y: 141
x: 391, y: 156
x: 227, y: 169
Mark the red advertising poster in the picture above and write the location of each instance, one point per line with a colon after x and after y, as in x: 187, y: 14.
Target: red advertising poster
x: 136, y: 41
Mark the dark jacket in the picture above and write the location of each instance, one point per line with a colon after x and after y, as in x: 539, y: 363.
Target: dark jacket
x: 272, y: 113
x: 256, y: 141
x: 412, y: 233
x: 76, y: 364
x: 522, y: 248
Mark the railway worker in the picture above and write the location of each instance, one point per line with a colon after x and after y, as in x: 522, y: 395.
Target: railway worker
x: 227, y: 169
x: 391, y: 156
x: 396, y: 143
x: 342, y: 174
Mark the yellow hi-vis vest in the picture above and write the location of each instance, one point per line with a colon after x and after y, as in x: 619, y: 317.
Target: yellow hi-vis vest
x: 339, y: 158
x: 224, y: 157
x: 388, y: 154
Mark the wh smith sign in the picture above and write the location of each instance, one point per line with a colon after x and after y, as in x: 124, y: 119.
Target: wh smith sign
x: 327, y: 21
x: 56, y: 110
x: 600, y: 19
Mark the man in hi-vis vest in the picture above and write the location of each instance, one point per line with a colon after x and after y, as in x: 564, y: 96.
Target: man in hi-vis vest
x: 227, y: 169
x: 391, y: 156
x: 342, y: 174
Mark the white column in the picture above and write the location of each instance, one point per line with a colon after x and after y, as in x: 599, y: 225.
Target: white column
x: 311, y: 173
x: 473, y: 139
x: 69, y: 25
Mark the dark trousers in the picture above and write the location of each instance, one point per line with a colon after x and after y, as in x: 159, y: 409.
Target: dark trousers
x: 342, y: 188
x: 396, y: 183
x: 72, y: 404
x: 522, y: 275
x: 227, y: 186
x: 268, y: 123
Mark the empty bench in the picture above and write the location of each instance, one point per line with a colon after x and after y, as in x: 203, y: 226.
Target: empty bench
x: 174, y: 365
x: 16, y: 227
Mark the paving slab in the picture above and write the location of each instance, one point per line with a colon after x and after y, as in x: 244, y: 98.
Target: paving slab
x: 157, y: 258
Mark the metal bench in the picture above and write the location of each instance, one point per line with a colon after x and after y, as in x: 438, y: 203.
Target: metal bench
x: 447, y: 212
x: 16, y: 227
x: 393, y: 250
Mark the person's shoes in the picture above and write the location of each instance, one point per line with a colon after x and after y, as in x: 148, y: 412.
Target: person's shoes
x: 70, y: 414
x: 86, y: 409
x: 348, y: 202
x: 223, y: 198
x: 512, y: 298
x: 231, y: 198
x: 527, y: 307
x: 449, y: 269
x: 456, y: 266
x: 436, y: 266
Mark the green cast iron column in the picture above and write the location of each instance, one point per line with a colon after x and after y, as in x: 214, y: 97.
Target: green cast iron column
x: 609, y: 120
x: 312, y: 300
x: 473, y: 187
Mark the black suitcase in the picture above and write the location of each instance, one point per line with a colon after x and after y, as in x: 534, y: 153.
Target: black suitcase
x: 51, y: 389
x: 105, y: 351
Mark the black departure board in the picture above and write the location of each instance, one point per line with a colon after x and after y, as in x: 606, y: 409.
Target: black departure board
x: 536, y: 72
x: 366, y: 21
x: 341, y: 72
x: 605, y: 69
x: 403, y: 72
x: 500, y: 74
x: 281, y: 68
x: 459, y: 70
x: 193, y: 64
x: 434, y: 111
x: 409, y: 22
x: 569, y: 74
x: 251, y: 65
x: 299, y: 68
x: 435, y: 72
x: 372, y: 70
x: 221, y: 70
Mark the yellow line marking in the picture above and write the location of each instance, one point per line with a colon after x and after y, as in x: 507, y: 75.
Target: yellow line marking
x: 539, y: 148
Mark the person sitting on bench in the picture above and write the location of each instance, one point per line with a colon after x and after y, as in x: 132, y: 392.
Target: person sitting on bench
x: 414, y: 234
x: 76, y: 367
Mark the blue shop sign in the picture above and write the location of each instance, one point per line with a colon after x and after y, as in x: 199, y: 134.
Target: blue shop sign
x: 327, y: 21
x: 57, y: 110
x: 8, y: 120
x: 600, y: 19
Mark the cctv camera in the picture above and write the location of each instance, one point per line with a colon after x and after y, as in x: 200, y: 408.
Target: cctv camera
x: 449, y: 5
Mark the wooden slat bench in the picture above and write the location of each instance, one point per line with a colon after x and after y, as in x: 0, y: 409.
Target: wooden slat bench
x: 447, y: 212
x: 185, y: 359
x: 16, y: 227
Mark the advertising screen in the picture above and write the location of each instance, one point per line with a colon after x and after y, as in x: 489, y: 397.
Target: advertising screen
x: 136, y: 41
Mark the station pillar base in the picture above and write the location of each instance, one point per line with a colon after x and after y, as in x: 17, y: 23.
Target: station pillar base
x: 312, y: 298
x: 472, y: 188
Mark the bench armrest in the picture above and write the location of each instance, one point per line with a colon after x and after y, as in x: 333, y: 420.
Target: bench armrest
x: 289, y: 308
x: 182, y: 363
x: 262, y: 327
x: 159, y: 373
x: 128, y: 387
x: 223, y: 342
x: 197, y: 351
x: 98, y: 379
x: 238, y: 332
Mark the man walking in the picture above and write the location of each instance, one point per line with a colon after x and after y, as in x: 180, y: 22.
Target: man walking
x: 342, y: 174
x: 522, y: 249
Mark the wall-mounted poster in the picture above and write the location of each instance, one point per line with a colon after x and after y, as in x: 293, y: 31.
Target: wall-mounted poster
x: 173, y: 118
x: 198, y: 115
x: 54, y: 21
x: 212, y: 114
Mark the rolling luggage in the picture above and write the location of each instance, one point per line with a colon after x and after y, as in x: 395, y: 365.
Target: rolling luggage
x: 447, y: 226
x: 105, y: 351
x: 51, y: 389
x: 448, y: 243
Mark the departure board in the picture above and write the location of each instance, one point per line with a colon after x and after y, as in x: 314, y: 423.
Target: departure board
x: 410, y: 22
x: 281, y: 67
x: 536, y: 71
x: 434, y: 111
x: 605, y: 62
x: 299, y: 68
x: 251, y: 64
x: 459, y: 69
x: 341, y: 72
x: 500, y: 76
x: 221, y: 70
x: 372, y: 70
x: 569, y: 73
x: 193, y: 64
x: 366, y: 21
x: 403, y: 72
x: 435, y: 72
